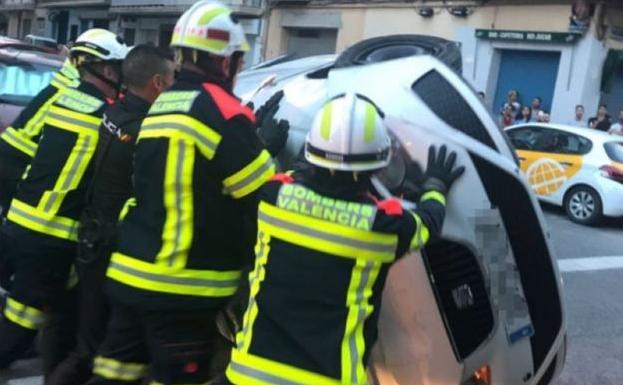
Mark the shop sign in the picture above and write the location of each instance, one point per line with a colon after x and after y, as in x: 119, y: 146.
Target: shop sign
x: 528, y: 36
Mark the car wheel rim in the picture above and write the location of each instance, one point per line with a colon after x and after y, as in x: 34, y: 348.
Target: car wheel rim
x: 582, y: 205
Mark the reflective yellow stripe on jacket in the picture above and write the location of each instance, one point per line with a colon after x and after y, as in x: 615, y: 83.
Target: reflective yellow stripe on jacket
x: 47, y: 223
x: 251, y: 177
x: 22, y: 137
x: 165, y: 279
x: 17, y: 140
x: 327, y: 237
x: 248, y: 369
x: 181, y: 126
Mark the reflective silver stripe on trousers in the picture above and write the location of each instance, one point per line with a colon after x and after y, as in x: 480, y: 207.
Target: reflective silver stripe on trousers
x: 71, y: 175
x: 256, y: 274
x: 22, y: 314
x: 53, y: 225
x: 250, y: 178
x: 199, y: 282
x: 262, y: 376
x: 179, y: 169
x: 185, y: 129
x: 121, y: 371
x: 361, y: 316
x: 77, y: 122
x: 359, y: 244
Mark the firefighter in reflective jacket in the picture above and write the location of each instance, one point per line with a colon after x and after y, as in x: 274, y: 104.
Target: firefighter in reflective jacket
x: 197, y: 165
x: 324, y: 247
x: 147, y: 72
x: 42, y: 221
x: 18, y: 143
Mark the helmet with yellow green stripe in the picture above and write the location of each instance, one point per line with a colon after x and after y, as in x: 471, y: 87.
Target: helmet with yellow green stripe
x: 98, y: 45
x: 349, y: 134
x: 209, y: 26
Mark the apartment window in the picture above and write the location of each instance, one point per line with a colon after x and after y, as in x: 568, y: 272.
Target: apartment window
x: 26, y: 27
x: 101, y: 23
x: 129, y: 35
x: 73, y: 32
x: 311, y: 41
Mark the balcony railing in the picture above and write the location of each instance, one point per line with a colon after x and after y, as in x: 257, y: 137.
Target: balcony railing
x: 252, y: 7
x: 72, y: 3
x: 17, y: 5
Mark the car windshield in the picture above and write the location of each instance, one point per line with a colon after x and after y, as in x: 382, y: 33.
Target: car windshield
x: 20, y: 82
x: 614, y: 151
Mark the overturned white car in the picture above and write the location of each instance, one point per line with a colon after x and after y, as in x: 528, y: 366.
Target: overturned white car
x: 484, y: 304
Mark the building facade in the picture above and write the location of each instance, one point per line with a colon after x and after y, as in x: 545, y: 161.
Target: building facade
x: 138, y: 21
x: 16, y: 17
x: 564, y: 53
x: 142, y: 21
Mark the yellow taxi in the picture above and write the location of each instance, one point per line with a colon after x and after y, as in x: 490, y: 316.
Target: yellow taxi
x: 580, y: 169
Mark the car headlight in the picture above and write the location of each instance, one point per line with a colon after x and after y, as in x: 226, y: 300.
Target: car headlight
x: 482, y: 376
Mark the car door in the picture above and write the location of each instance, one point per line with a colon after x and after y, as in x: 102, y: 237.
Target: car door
x: 525, y: 140
x: 550, y: 158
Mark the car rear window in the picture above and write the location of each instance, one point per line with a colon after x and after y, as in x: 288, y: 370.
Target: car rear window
x: 614, y: 151
x: 20, y: 82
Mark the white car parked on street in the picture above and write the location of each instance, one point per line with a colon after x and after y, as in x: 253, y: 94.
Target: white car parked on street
x: 580, y: 169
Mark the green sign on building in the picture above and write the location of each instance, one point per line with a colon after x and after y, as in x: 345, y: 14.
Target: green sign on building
x: 528, y: 36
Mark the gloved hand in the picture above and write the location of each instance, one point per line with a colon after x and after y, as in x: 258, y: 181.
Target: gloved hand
x: 274, y: 133
x: 269, y: 109
x: 441, y: 172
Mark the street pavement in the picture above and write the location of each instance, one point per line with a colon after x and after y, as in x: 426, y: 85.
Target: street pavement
x: 593, y: 298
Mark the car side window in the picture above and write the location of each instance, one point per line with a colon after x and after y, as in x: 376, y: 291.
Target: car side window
x: 525, y: 138
x: 560, y: 142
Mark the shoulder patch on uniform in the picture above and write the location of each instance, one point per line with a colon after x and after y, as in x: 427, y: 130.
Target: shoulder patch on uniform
x: 227, y: 104
x: 390, y: 206
x: 174, y: 101
x: 79, y: 101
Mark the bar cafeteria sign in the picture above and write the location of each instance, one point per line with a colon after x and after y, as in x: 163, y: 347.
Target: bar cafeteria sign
x: 528, y: 36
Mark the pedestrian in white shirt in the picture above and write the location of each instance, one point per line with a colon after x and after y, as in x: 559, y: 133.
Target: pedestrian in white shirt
x: 617, y: 128
x: 578, y: 120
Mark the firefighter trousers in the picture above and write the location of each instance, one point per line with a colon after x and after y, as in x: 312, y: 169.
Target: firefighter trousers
x: 168, y: 346
x: 93, y: 315
x: 39, y: 298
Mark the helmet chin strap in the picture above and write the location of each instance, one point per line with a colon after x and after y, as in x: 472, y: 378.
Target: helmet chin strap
x: 114, y: 85
x: 234, y: 62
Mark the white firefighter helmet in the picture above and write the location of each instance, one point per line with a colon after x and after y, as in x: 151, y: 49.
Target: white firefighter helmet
x: 208, y: 26
x: 349, y: 134
x: 100, y: 45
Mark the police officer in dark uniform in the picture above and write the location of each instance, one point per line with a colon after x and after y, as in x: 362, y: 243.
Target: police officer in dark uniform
x: 147, y: 72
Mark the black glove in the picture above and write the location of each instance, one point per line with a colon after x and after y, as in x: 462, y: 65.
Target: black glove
x: 268, y: 109
x: 441, y: 172
x: 274, y: 133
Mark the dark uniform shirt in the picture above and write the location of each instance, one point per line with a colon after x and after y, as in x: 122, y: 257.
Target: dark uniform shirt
x: 18, y: 143
x: 198, y: 163
x: 112, y: 182
x: 321, y: 263
x: 51, y: 196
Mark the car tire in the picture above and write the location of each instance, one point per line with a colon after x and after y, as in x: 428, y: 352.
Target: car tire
x: 384, y: 48
x: 583, y: 205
